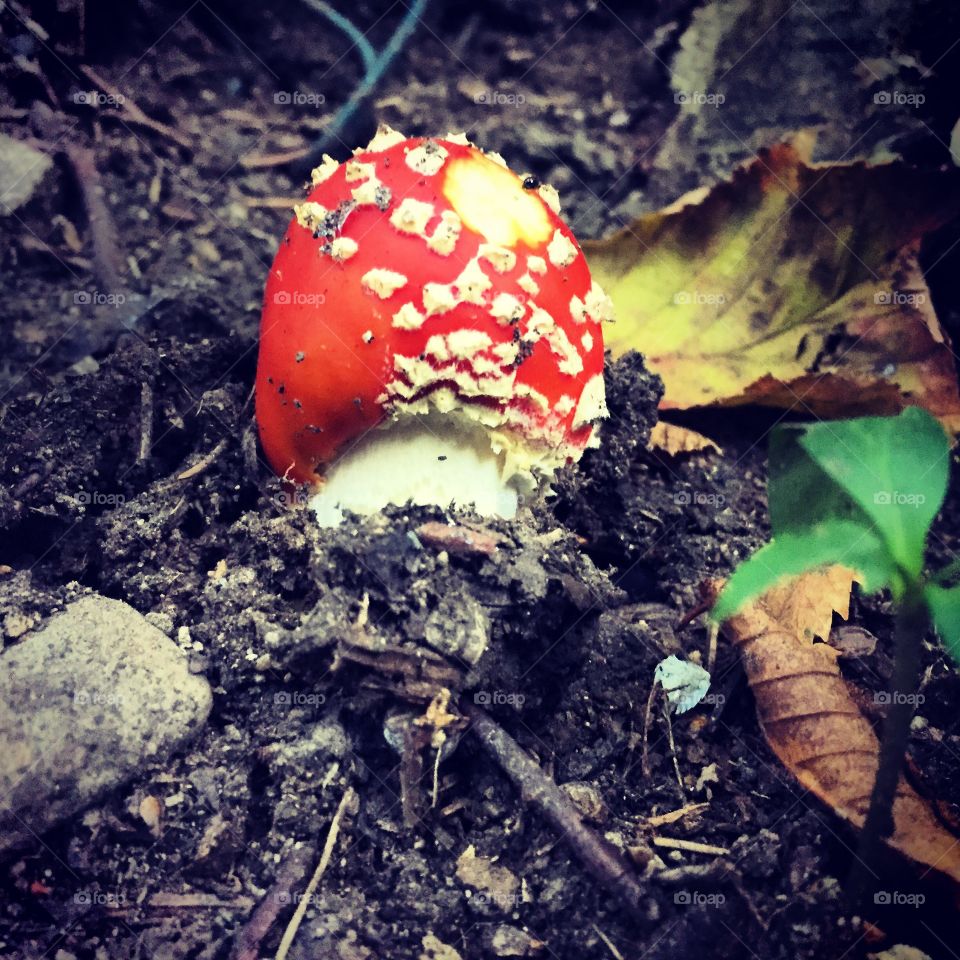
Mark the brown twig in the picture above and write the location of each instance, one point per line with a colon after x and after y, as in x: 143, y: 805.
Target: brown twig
x: 107, y: 252
x: 702, y: 607
x: 264, y: 161
x: 290, y: 933
x: 204, y: 463
x: 132, y: 113
x: 271, y: 203
x: 602, y: 860
x: 691, y: 846
x: 663, y: 819
x: 647, y: 714
x: 291, y: 873
x: 146, y: 421
x: 673, y: 751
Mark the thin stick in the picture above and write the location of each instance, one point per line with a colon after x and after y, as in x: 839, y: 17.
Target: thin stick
x: 673, y: 751
x: 270, y: 203
x: 290, y: 933
x: 608, y: 943
x: 713, y: 631
x: 290, y: 874
x: 647, y: 714
x: 690, y: 845
x: 598, y: 856
x: 131, y: 112
x: 107, y: 253
x: 204, y: 463
x: 662, y: 819
x: 146, y: 421
x: 436, y: 778
x: 411, y: 772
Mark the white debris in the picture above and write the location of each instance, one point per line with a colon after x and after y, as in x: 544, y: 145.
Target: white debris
x: 684, y: 683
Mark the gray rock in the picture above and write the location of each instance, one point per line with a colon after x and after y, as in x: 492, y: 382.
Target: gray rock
x: 22, y: 169
x: 458, y: 628
x: 506, y: 941
x: 84, y: 703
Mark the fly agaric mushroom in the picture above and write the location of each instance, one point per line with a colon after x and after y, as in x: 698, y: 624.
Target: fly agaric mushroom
x: 430, y: 332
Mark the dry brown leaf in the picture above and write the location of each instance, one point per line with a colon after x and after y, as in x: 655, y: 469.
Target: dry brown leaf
x: 790, y: 285
x: 810, y: 720
x: 675, y: 440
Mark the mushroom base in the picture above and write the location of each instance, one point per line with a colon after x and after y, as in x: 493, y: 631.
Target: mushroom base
x: 426, y: 460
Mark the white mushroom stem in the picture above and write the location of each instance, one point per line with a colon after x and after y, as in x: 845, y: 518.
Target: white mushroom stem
x: 424, y: 459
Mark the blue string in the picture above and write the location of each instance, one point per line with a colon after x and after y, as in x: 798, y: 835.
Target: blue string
x: 375, y: 63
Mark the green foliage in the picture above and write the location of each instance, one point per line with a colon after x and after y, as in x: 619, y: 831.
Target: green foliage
x: 861, y: 493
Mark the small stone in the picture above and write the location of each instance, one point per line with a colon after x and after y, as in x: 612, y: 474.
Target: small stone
x: 586, y: 798
x: 507, y: 941
x: 459, y: 628
x: 84, y: 704
x: 22, y: 170
x: 435, y: 949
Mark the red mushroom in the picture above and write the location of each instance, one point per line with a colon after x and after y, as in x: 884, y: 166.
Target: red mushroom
x: 430, y: 333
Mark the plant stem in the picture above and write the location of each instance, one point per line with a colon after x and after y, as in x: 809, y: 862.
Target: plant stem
x: 909, y: 628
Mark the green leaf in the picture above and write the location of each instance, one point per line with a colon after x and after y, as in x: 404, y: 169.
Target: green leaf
x: 944, y: 604
x: 894, y: 468
x: 831, y: 542
x: 801, y: 494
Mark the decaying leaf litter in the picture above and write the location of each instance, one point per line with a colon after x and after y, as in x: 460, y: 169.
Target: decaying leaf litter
x: 186, y: 545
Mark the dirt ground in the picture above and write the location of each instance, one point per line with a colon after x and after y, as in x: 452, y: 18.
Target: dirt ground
x: 300, y: 631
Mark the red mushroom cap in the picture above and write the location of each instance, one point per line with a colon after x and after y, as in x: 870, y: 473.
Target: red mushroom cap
x: 423, y: 275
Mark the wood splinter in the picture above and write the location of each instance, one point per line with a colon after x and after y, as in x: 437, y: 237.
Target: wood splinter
x: 599, y: 857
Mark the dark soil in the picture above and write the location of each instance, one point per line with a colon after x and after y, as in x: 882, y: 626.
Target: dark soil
x: 583, y: 595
